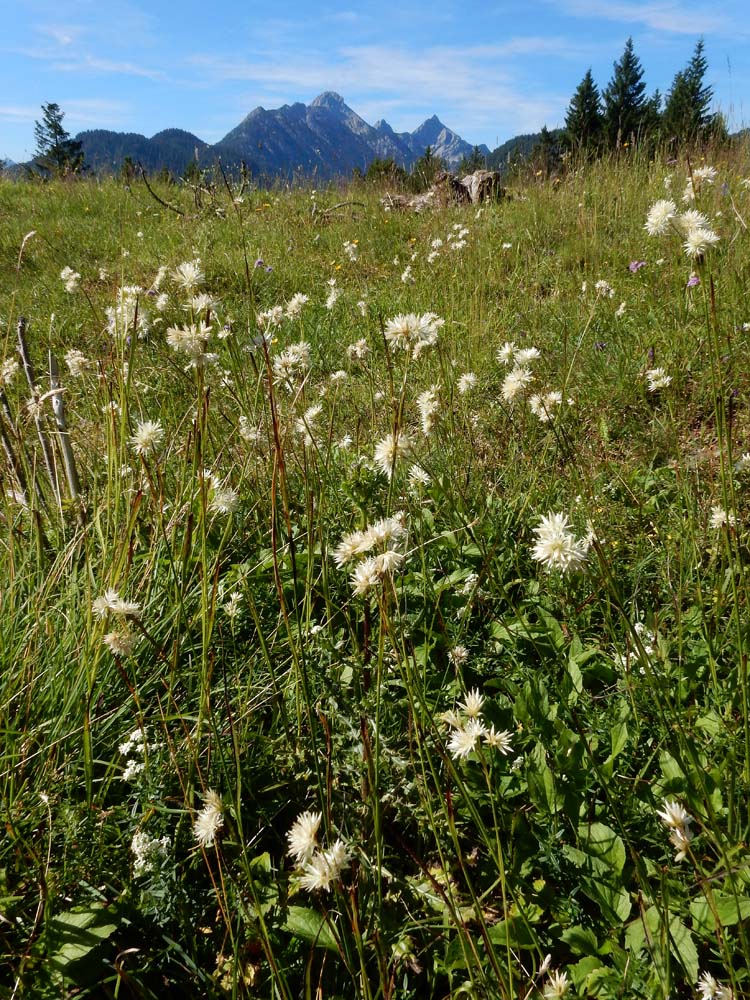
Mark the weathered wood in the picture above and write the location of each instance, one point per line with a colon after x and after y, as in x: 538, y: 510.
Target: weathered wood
x: 482, y: 185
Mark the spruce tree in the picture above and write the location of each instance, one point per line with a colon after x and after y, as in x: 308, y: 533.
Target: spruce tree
x: 626, y: 108
x: 56, y: 153
x: 584, y: 121
x: 686, y: 115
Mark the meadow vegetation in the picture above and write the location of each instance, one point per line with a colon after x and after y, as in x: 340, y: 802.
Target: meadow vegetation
x: 374, y: 590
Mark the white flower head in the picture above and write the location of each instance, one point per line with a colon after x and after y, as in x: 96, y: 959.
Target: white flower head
x: 657, y: 379
x: 556, y: 546
x: 556, y: 986
x: 721, y: 518
x: 148, y: 435
x: 209, y: 820
x: 110, y: 602
x: 303, y: 836
x: 506, y: 353
x: 189, y: 275
x: 295, y: 304
x: 390, y: 449
x: 465, y: 739
x: 325, y: 868
x: 660, y: 216
x: 515, y: 382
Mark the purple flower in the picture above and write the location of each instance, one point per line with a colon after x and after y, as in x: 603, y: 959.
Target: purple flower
x: 600, y: 345
x: 269, y: 269
x: 635, y: 265
x: 693, y: 280
x: 259, y: 262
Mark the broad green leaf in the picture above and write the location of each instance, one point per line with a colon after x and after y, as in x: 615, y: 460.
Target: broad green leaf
x: 310, y: 926
x: 603, y: 843
x: 580, y: 940
x: 683, y: 947
x: 74, y: 934
x: 727, y: 910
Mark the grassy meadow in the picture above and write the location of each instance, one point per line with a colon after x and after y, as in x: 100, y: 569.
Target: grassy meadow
x: 374, y: 590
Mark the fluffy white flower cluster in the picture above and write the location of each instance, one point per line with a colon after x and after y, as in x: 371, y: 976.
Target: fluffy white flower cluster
x: 677, y: 821
x: 320, y: 869
x: 390, y: 449
x: 520, y: 375
x: 358, y: 351
x: 710, y: 989
x: 557, y: 986
x: 209, y: 820
x: 70, y: 278
x: 699, y: 178
x: 556, y: 547
x: 428, y: 404
x: 148, y: 435
x: 657, y: 379
x: 267, y: 319
x: 412, y: 332
x: 222, y: 498
x: 385, y: 534
x: 128, y: 315
x: 292, y: 365
x: 691, y: 226
x: 295, y: 304
x: 77, y: 362
x: 189, y: 275
x: 110, y: 602
x: 721, y: 518
x: 333, y: 293
x: 468, y: 730
x: 305, y: 425
x: 543, y: 406
x: 192, y: 340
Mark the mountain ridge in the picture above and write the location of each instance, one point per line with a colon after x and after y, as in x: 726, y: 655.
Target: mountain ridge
x: 325, y: 138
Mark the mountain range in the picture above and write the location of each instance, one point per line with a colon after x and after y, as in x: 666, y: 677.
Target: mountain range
x: 322, y: 139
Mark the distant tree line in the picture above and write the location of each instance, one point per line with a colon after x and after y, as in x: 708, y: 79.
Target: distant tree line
x: 623, y: 114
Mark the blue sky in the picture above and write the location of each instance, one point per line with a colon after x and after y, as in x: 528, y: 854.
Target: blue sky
x: 488, y: 70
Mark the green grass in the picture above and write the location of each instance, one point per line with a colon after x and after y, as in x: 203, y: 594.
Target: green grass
x: 252, y: 666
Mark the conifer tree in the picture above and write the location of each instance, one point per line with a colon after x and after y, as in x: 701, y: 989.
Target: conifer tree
x: 584, y: 121
x: 56, y: 153
x: 686, y: 115
x: 626, y: 108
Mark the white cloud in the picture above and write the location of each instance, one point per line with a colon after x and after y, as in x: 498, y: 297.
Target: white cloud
x: 671, y: 17
x: 487, y: 91
x: 18, y: 113
x: 93, y: 64
x: 84, y: 111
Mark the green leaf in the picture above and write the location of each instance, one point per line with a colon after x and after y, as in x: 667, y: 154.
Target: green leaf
x: 310, y: 926
x: 75, y: 934
x: 727, y: 910
x: 541, y: 781
x: 514, y: 931
x: 603, y: 843
x: 580, y: 940
x: 683, y: 947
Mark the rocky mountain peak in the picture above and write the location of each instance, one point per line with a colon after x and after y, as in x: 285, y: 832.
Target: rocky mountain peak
x: 331, y: 101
